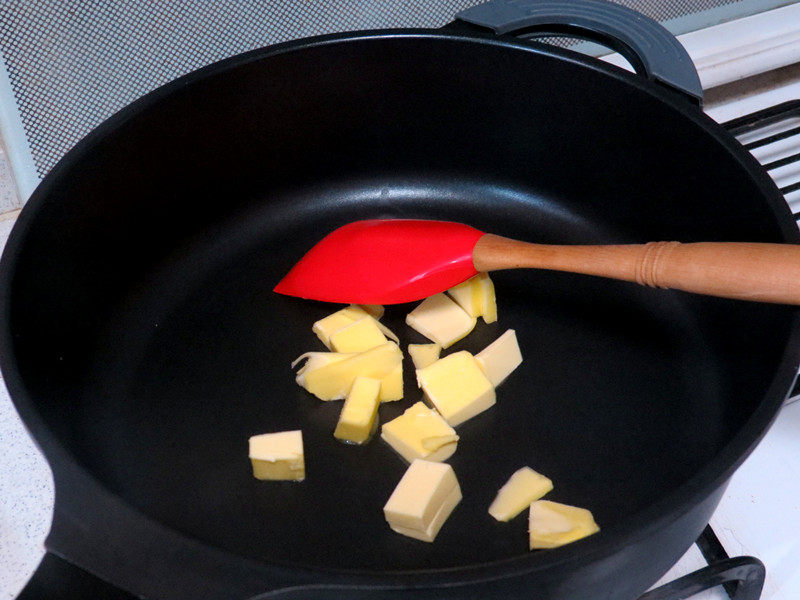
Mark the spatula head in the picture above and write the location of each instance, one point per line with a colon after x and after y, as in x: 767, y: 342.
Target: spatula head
x: 384, y: 261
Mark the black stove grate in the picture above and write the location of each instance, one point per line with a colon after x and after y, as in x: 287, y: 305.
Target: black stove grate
x: 763, y: 119
x: 742, y: 577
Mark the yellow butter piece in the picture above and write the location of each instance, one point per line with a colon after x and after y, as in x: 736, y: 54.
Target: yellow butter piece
x: 334, y: 380
x: 357, y: 419
x: 357, y: 311
x: 375, y: 310
x: 522, y: 488
x: 500, y: 357
x: 423, y: 499
x: 325, y: 328
x: 278, y: 456
x: 420, y: 432
x: 315, y: 360
x: 357, y: 336
x: 489, y: 312
x: 476, y: 296
x: 457, y: 387
x: 430, y: 532
x: 424, y: 354
x: 468, y: 297
x: 440, y: 320
x: 392, y: 385
x: 552, y: 524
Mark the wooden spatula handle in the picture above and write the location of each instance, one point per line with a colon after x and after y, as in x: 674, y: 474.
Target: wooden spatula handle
x: 747, y: 271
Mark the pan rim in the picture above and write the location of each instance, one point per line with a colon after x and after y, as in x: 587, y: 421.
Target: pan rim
x: 656, y: 516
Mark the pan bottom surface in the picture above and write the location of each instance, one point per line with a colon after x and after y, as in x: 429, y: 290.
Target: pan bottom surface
x: 618, y: 399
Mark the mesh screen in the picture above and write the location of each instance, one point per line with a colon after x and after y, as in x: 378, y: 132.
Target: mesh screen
x: 71, y: 64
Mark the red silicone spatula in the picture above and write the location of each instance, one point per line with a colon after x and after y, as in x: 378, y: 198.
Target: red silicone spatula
x: 386, y: 261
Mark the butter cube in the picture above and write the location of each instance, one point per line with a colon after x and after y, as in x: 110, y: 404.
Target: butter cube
x: 392, y: 385
x: 357, y: 336
x: 500, y: 357
x: 278, y: 456
x: 489, y: 312
x: 375, y: 310
x: 552, y: 524
x: 457, y: 387
x: 423, y: 500
x: 524, y: 486
x: 468, y: 297
x: 325, y: 328
x: 430, y: 532
x: 334, y: 380
x: 420, y: 432
x: 476, y: 296
x: 424, y: 354
x: 357, y: 419
x: 441, y: 320
x: 315, y: 360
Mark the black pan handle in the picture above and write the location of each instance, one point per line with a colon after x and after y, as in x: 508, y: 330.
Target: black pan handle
x: 650, y: 48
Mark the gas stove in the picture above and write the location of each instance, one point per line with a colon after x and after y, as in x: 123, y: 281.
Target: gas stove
x: 750, y: 68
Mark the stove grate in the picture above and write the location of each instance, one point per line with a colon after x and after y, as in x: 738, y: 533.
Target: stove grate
x: 757, y: 133
x: 742, y: 577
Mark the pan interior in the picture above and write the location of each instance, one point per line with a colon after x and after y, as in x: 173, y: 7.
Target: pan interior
x: 197, y: 360
x: 148, y: 335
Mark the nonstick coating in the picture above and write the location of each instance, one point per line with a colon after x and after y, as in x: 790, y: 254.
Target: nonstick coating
x: 151, y: 346
x: 601, y: 404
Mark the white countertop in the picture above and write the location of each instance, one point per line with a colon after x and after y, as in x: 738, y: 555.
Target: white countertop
x: 26, y: 492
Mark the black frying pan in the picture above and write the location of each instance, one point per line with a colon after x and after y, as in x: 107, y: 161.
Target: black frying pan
x: 142, y: 344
